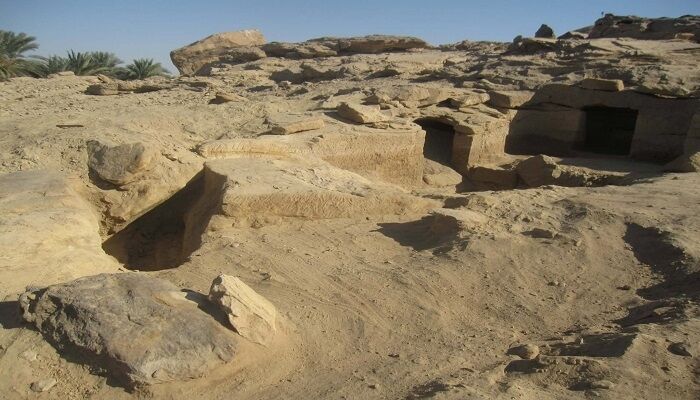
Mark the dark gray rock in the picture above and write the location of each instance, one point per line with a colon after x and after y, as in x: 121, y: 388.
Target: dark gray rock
x: 545, y: 32
x: 136, y: 328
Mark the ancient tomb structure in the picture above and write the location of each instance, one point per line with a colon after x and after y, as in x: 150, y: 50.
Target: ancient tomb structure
x: 564, y: 120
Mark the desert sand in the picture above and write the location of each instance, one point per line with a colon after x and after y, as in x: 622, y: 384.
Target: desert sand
x: 403, y: 220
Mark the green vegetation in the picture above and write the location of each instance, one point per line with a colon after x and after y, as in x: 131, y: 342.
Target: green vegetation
x: 13, y: 62
x: 143, y: 68
x: 12, y: 59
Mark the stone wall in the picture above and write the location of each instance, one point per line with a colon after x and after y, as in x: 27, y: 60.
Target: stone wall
x: 554, y: 122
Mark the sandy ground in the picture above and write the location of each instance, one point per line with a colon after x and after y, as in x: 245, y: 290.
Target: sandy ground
x: 603, y: 280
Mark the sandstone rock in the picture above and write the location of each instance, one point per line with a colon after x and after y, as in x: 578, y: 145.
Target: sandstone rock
x: 103, y: 89
x: 684, y: 163
x: 250, y: 314
x: 523, y: 45
x: 616, y: 26
x: 361, y: 114
x: 259, y: 190
x: 140, y: 329
x: 509, y: 99
x: 573, y: 35
x: 298, y: 50
x: 525, y: 351
x: 601, y: 384
x: 610, y: 85
x: 301, y: 125
x: 238, y: 55
x: 191, y: 58
x: 492, y: 178
x: 538, y: 171
x: 222, y: 97
x: 48, y: 233
x: 545, y: 32
x: 408, y: 96
x: 469, y: 99
x: 373, y: 44
x: 436, y: 174
x: 43, y: 385
x: 119, y: 164
x: 541, y: 233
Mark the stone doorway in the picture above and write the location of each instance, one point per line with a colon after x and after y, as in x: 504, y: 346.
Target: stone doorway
x: 439, y: 139
x: 609, y: 130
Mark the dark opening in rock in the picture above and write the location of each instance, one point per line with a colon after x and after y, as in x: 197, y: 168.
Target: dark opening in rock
x: 438, y: 141
x: 154, y: 241
x: 609, y: 130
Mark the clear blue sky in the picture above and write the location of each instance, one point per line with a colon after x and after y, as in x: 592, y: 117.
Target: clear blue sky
x: 151, y: 28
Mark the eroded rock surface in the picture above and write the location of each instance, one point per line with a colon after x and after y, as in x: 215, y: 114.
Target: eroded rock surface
x: 49, y: 233
x: 138, y: 329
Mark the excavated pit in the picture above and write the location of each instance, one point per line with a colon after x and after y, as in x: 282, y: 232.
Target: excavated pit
x: 439, y: 139
x: 156, y: 240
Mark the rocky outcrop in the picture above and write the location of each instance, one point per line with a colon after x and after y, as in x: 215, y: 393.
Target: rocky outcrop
x: 372, y: 44
x: 298, y: 50
x: 408, y: 96
x: 48, y: 233
x: 615, y: 26
x: 192, y: 58
x: 139, y: 329
x: 250, y: 314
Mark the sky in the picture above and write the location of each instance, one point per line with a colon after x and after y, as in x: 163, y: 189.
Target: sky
x: 151, y: 28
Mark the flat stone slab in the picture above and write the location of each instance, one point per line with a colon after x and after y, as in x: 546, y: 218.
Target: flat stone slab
x: 259, y: 191
x: 138, y: 329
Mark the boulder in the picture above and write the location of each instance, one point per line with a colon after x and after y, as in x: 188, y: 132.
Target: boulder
x: 492, y: 178
x: 538, y: 171
x: 191, y: 58
x: 525, y: 351
x: 545, y: 32
x: 509, y: 99
x: 139, y: 329
x: 119, y: 164
x: 250, y: 314
x: 608, y: 85
x: 361, y: 114
x: 523, y: 45
x: 436, y: 174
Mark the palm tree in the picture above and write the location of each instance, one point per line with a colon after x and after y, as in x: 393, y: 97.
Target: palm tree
x: 12, y: 59
x: 92, y: 63
x: 53, y: 64
x: 142, y: 68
